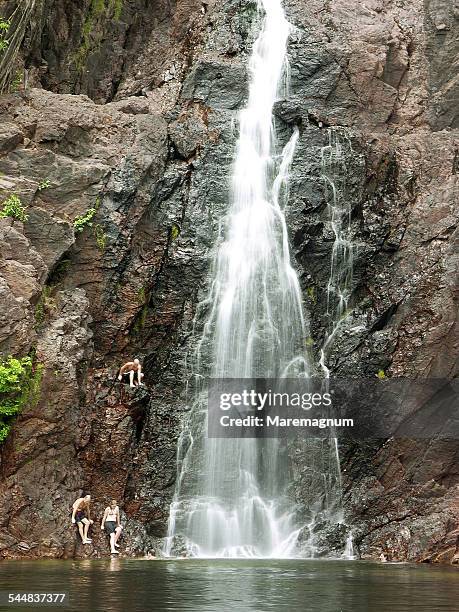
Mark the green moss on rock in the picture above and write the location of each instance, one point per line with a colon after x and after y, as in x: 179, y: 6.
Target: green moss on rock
x: 20, y: 385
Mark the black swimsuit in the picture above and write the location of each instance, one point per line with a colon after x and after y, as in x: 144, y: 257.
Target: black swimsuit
x: 110, y: 527
x: 79, y: 516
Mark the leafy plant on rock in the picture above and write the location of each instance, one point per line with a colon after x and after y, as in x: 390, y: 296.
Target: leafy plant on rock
x: 44, y: 184
x: 101, y: 237
x: 12, y: 207
x: 4, y: 27
x: 84, y: 220
x: 20, y: 383
x: 175, y: 231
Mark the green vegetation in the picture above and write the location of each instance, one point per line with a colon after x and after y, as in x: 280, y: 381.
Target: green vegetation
x: 117, y: 6
x: 84, y: 220
x: 142, y: 295
x: 96, y: 9
x: 20, y: 384
x: 381, y: 374
x: 141, y: 319
x: 17, y: 81
x: 44, y: 184
x: 175, y: 231
x: 311, y: 294
x: 4, y: 27
x: 309, y: 341
x: 101, y: 237
x: 12, y: 207
x: 45, y: 305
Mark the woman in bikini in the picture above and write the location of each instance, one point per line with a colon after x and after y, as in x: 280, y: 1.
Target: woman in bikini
x: 112, y: 525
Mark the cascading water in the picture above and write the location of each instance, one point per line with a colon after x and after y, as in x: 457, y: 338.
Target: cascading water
x: 231, y: 496
x: 349, y: 550
x: 339, y: 285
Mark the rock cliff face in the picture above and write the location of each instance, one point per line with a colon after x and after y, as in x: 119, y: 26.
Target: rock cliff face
x: 128, y: 112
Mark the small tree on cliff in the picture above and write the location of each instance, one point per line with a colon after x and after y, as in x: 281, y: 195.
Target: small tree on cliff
x: 20, y: 384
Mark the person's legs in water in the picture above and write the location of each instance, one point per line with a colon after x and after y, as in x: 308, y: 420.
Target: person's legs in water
x: 112, y: 544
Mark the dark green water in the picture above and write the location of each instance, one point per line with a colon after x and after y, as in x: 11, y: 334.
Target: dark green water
x: 201, y: 585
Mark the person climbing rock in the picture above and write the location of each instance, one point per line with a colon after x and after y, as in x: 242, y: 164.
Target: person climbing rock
x: 129, y: 370
x: 112, y: 525
x: 81, y: 515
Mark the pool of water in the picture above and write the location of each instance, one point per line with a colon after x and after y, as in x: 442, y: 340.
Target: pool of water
x: 222, y: 585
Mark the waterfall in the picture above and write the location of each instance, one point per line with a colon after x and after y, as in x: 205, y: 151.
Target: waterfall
x: 339, y: 286
x: 349, y: 550
x: 231, y: 497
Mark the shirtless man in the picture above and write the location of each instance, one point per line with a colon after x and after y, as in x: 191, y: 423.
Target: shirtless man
x: 81, y: 515
x: 129, y: 369
x: 111, y: 523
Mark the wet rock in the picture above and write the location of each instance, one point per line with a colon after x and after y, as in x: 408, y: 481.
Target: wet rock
x: 218, y: 85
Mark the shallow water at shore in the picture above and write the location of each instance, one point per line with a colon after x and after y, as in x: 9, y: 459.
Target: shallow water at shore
x: 118, y: 585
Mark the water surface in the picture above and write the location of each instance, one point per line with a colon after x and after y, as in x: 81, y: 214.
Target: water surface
x: 200, y: 585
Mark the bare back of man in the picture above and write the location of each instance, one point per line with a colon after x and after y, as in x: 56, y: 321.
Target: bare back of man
x: 132, y: 372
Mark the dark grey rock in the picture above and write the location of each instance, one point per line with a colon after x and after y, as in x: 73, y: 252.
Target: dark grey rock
x: 219, y: 85
x: 50, y: 235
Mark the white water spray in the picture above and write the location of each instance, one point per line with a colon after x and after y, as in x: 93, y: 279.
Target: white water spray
x: 339, y: 287
x: 349, y: 549
x: 231, y: 495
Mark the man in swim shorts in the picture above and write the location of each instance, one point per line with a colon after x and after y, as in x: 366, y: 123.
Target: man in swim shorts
x: 129, y: 370
x: 81, y: 515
